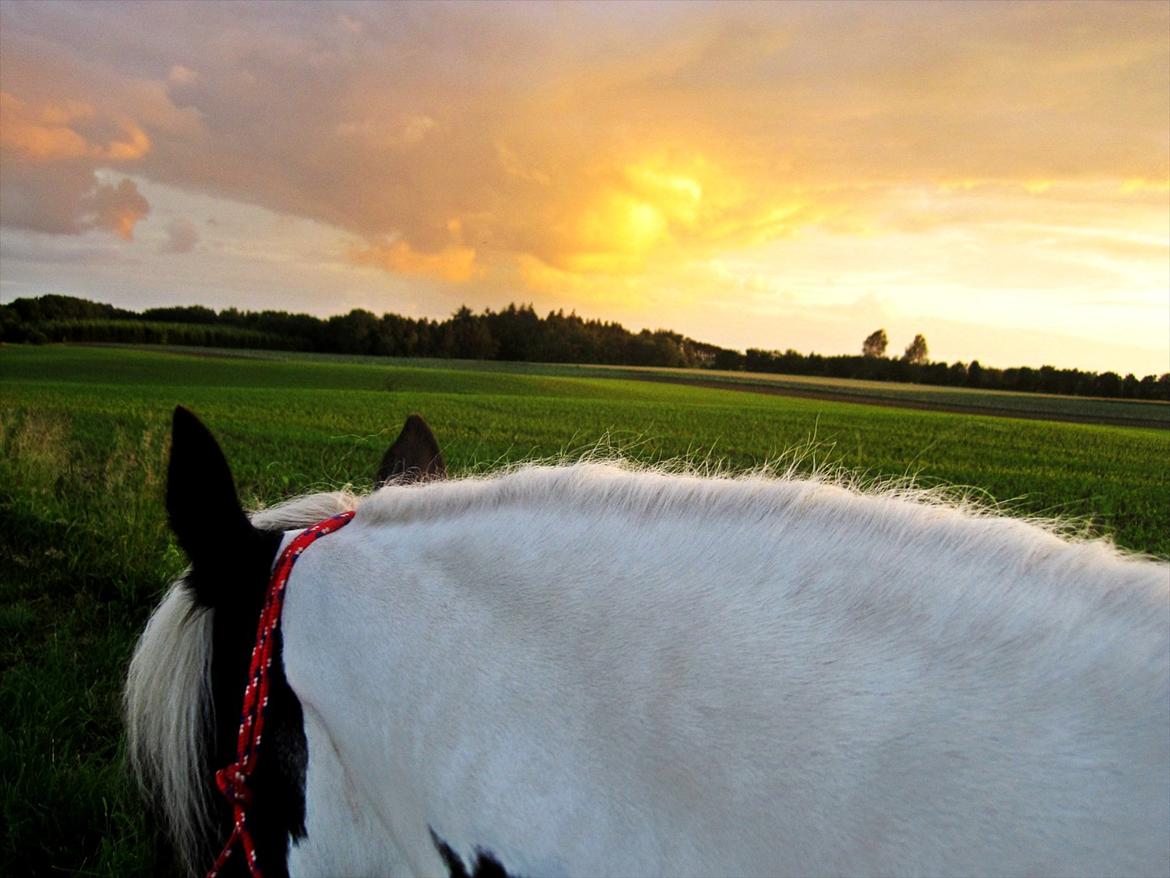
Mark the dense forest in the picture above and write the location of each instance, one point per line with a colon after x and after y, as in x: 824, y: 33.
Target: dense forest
x: 519, y: 333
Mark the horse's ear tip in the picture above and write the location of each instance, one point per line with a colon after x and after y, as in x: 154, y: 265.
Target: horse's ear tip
x: 416, y: 426
x: 415, y: 421
x: 191, y: 440
x: 183, y: 418
x: 414, y: 456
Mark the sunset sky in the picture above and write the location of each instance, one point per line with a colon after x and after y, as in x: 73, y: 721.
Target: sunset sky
x: 993, y: 175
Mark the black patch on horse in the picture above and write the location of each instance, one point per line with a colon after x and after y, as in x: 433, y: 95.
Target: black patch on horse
x: 277, y: 810
x: 231, y: 563
x: 485, y: 866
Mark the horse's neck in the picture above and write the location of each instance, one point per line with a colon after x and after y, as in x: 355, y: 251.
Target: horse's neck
x: 500, y: 659
x: 857, y: 567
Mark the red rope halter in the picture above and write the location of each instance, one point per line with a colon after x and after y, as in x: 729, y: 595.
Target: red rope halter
x: 234, y: 780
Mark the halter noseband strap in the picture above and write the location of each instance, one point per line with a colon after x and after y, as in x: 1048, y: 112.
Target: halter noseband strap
x: 234, y: 781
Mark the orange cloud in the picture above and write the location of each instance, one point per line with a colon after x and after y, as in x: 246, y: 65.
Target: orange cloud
x: 117, y: 208
x: 58, y: 131
x: 50, y: 152
x: 454, y: 264
x: 614, y: 145
x: 44, y: 135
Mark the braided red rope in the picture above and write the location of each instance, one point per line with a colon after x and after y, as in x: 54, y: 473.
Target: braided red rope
x: 233, y: 780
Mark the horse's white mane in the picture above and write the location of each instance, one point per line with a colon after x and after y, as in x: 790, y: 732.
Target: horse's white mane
x: 167, y: 698
x: 614, y: 485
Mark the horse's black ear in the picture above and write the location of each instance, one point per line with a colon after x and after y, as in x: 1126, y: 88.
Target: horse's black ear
x: 202, y: 505
x: 414, y: 456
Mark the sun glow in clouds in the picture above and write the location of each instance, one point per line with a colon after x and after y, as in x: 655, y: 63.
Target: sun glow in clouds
x: 996, y: 176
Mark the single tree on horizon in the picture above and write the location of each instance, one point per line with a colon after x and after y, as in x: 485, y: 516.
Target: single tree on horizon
x: 916, y: 351
x: 875, y: 344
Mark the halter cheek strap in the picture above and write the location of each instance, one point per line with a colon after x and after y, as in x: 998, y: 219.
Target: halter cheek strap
x: 234, y: 781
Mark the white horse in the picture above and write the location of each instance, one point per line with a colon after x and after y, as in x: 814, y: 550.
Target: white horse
x: 598, y: 670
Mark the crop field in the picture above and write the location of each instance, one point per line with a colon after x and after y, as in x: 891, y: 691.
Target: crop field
x: 1080, y: 409
x: 84, y: 551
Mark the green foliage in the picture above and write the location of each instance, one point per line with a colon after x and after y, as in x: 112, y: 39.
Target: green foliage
x: 147, y: 332
x: 54, y: 307
x: 83, y: 551
x: 916, y: 351
x: 515, y: 333
x: 875, y: 344
x: 83, y: 438
x: 518, y: 334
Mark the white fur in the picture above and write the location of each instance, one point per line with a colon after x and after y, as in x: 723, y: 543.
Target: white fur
x: 167, y: 707
x: 593, y: 671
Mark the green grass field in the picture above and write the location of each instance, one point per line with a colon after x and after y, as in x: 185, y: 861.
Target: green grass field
x: 84, y: 552
x: 1088, y: 410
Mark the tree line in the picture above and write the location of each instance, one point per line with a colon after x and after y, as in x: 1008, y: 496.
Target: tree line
x: 518, y: 333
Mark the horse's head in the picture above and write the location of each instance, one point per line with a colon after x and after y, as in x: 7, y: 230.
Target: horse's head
x: 186, y: 681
